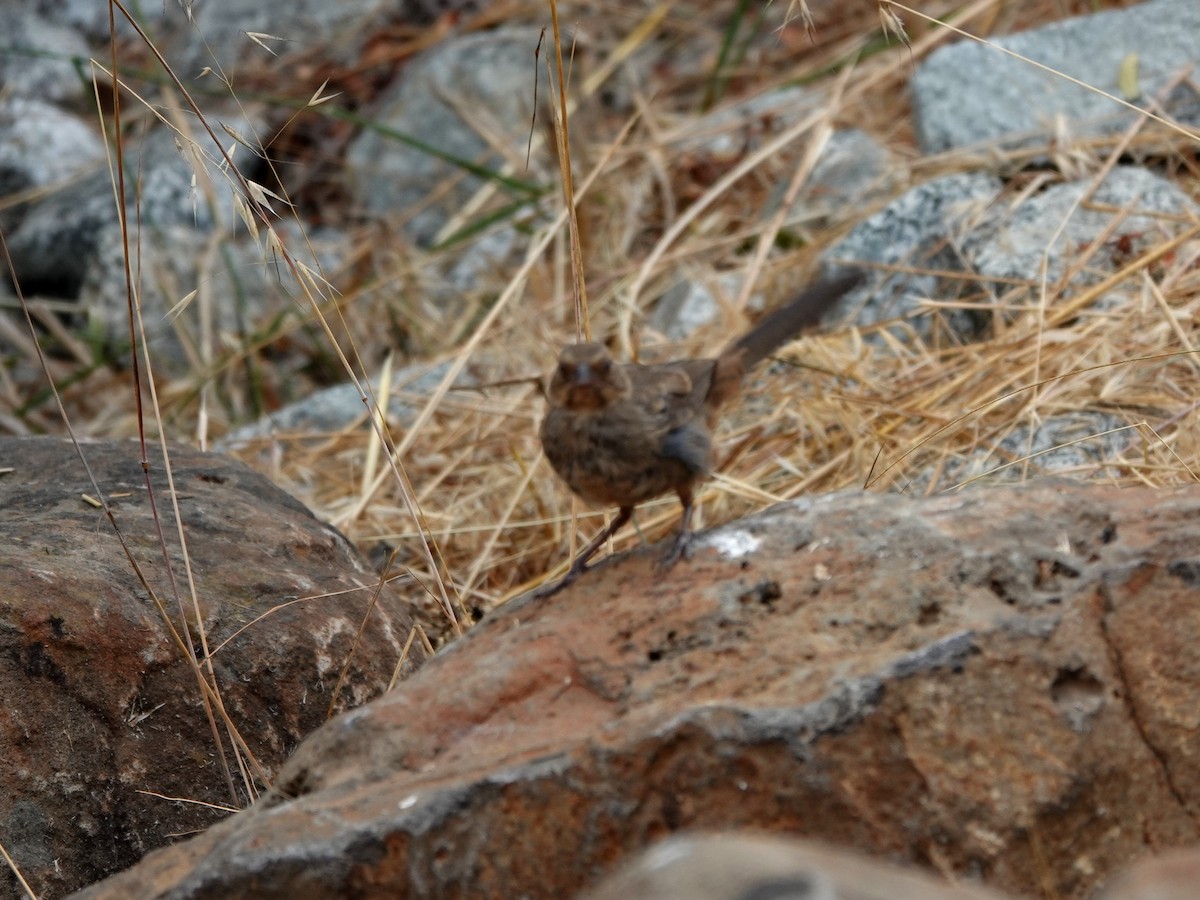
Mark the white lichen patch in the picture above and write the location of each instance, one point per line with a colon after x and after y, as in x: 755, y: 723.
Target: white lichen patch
x: 733, y: 543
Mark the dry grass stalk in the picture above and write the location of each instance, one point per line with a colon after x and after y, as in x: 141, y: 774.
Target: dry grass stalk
x: 461, y: 493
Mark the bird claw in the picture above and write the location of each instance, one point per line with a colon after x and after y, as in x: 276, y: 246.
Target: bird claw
x: 680, y: 548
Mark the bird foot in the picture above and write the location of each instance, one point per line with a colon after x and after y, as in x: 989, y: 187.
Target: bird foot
x: 680, y: 548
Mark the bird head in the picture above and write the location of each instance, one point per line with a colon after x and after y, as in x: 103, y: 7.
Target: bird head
x: 586, y: 377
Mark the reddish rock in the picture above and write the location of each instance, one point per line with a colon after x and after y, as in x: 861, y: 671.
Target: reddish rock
x: 103, y: 736
x: 998, y: 686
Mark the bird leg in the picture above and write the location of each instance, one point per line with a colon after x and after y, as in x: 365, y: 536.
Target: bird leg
x: 580, y: 565
x: 681, y: 546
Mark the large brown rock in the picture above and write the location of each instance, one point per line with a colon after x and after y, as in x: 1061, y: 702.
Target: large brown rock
x: 103, y: 735
x: 999, y: 685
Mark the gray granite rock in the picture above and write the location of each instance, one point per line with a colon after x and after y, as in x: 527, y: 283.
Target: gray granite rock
x: 1056, y: 225
x: 686, y: 306
x: 478, y: 261
x: 449, y: 102
x: 340, y: 406
x: 692, y: 303
x: 57, y: 240
x: 1063, y: 444
x: 40, y: 145
x: 921, y: 230
x: 951, y: 224
x: 38, y: 58
x: 968, y: 93
x: 237, y: 290
x: 852, y: 169
x: 91, y: 18
x: 289, y: 27
x: 745, y: 125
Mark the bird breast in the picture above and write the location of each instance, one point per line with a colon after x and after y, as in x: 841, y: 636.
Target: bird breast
x: 620, y: 455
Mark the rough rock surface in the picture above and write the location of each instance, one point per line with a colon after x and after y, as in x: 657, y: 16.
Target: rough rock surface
x: 1130, y: 211
x: 1011, y: 103
x: 41, y: 145
x: 101, y: 723
x: 59, y: 238
x: 741, y: 867
x: 299, y: 29
x: 960, y: 223
x: 1174, y: 875
x: 340, y: 406
x: 916, y: 233
x: 999, y: 685
x: 38, y: 56
x: 436, y: 120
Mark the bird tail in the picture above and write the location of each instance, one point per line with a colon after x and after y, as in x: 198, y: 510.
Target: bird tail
x: 780, y: 326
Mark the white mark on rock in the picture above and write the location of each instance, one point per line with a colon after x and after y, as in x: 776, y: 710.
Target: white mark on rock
x: 667, y: 853
x: 732, y: 544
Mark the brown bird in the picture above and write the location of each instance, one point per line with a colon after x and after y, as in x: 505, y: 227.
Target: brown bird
x: 622, y: 433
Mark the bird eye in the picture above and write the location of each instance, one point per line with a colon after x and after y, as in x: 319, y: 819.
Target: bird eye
x: 603, y: 366
x: 566, y: 371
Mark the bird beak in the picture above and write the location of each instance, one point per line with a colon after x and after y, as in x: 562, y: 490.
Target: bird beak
x: 584, y: 388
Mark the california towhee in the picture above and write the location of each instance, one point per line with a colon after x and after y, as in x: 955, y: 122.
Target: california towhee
x: 622, y: 433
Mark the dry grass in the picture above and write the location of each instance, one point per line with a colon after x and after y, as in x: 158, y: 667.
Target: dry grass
x: 458, y: 496
x: 843, y: 413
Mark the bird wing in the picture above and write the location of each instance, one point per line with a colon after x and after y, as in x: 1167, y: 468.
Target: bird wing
x: 683, y: 386
x: 672, y: 396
